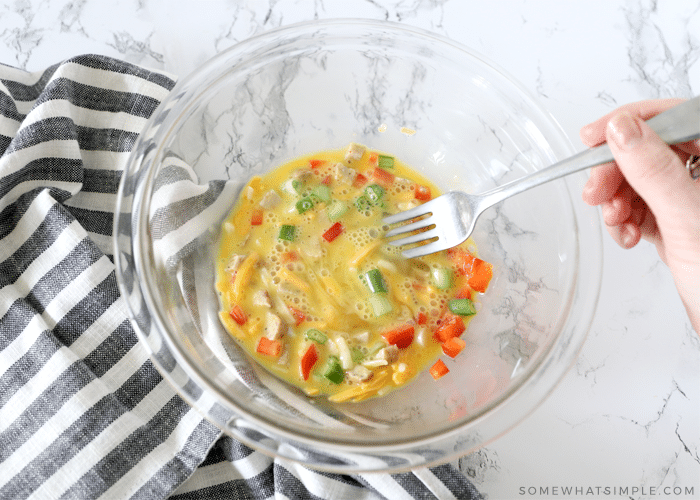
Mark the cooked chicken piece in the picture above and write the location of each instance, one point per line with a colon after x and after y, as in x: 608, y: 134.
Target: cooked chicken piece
x: 302, y: 174
x: 344, y: 353
x: 407, y: 205
x: 262, y: 298
x: 354, y: 152
x: 343, y: 174
x: 275, y: 328
x: 375, y: 363
x: 270, y: 200
x: 362, y: 337
x: 312, y: 248
x: 359, y: 374
x: 389, y: 353
x: 234, y: 263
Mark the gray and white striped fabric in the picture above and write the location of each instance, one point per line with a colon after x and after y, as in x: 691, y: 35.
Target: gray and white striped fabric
x: 83, y: 412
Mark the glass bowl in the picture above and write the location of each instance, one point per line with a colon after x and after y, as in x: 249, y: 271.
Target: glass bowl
x: 442, y: 109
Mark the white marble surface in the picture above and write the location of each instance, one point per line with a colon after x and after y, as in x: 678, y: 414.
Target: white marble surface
x: 628, y: 414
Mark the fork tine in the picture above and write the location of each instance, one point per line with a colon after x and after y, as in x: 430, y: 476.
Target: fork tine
x: 411, y: 213
x: 415, y: 238
x: 423, y: 223
x: 420, y: 251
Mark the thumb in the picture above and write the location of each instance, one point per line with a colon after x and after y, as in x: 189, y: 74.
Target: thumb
x: 651, y: 167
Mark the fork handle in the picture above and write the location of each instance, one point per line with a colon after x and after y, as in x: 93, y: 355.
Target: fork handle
x: 680, y: 123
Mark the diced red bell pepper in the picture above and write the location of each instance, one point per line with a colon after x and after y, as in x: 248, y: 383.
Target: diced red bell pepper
x: 257, y: 218
x: 238, y: 315
x: 382, y: 177
x: 422, y: 318
x: 422, y: 193
x: 269, y: 347
x: 464, y: 293
x: 439, y: 369
x: 481, y: 275
x: 333, y: 232
x: 401, y: 336
x: 316, y: 163
x: 477, y: 271
x: 451, y: 326
x: 308, y: 360
x: 373, y: 159
x: 298, y: 315
x: 360, y: 180
x: 453, y: 346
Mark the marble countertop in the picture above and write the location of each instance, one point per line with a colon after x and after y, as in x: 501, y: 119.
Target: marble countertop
x: 625, y: 422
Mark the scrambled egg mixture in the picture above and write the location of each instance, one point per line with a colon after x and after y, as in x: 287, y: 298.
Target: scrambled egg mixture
x: 310, y: 289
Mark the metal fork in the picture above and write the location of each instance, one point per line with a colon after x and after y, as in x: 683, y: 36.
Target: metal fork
x: 454, y: 214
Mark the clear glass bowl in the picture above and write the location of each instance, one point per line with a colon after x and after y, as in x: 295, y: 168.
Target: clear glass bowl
x: 321, y: 85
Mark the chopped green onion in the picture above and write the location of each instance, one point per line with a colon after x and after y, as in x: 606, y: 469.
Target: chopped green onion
x: 292, y: 186
x: 385, y: 161
x: 463, y: 307
x: 362, y: 203
x: 442, y: 278
x: 375, y: 281
x: 374, y: 193
x: 334, y: 371
x: 322, y: 192
x: 287, y: 232
x: 304, y: 204
x: 380, y: 304
x: 356, y: 354
x: 336, y: 210
x: 316, y: 335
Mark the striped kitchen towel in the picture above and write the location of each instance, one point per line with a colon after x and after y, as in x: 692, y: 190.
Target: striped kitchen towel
x: 83, y: 411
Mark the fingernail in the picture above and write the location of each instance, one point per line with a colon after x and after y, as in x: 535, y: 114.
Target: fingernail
x: 587, y: 193
x: 627, y: 240
x: 624, y: 131
x: 585, y: 132
x: 627, y: 237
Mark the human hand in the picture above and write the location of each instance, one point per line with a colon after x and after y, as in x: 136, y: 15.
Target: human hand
x: 647, y: 193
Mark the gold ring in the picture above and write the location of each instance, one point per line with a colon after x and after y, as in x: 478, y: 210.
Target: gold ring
x: 693, y: 166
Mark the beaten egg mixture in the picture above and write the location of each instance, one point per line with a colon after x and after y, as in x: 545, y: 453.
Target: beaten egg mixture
x: 312, y: 291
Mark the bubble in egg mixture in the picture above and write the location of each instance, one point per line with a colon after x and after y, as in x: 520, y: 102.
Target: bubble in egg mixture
x: 392, y: 250
x: 400, y: 186
x: 363, y: 236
